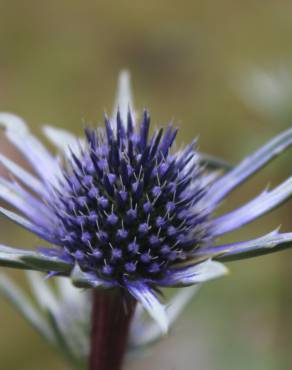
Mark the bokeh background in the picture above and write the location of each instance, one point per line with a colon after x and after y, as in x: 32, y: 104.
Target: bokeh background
x: 221, y: 70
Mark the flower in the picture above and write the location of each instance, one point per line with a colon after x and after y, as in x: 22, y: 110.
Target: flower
x: 124, y: 209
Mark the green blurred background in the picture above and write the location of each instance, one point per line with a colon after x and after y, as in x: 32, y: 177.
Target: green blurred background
x: 221, y: 70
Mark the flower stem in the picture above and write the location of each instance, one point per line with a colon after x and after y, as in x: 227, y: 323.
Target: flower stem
x: 112, y: 312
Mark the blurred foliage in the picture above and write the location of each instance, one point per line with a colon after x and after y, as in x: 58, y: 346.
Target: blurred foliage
x: 212, y: 67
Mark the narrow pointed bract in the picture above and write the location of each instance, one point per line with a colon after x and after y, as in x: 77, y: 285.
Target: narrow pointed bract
x: 146, y: 332
x: 124, y: 100
x: 258, y: 206
x: 270, y: 243
x: 249, y: 166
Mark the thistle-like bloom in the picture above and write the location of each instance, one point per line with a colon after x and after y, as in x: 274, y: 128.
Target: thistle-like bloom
x: 124, y: 209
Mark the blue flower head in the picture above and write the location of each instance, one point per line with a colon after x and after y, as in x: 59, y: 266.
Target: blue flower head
x: 126, y: 209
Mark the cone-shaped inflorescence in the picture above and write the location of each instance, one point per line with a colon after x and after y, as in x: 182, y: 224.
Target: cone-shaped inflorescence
x: 127, y: 206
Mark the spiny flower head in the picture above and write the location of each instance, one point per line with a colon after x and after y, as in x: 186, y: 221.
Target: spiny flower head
x: 127, y: 206
x: 125, y: 209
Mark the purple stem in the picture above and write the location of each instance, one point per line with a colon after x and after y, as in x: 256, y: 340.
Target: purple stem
x: 112, y: 312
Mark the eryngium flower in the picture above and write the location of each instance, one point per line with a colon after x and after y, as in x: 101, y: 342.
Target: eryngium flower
x: 124, y: 208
